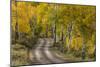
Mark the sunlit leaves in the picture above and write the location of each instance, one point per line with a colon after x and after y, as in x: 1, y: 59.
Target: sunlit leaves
x: 41, y: 18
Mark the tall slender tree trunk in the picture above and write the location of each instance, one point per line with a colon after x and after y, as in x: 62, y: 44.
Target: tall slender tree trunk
x: 69, y: 36
x: 54, y: 24
x: 55, y: 33
x: 52, y: 32
x: 62, y: 41
x: 70, y: 39
x: 16, y: 31
x: 83, y: 49
x: 56, y: 6
x: 62, y: 33
x: 62, y: 36
x: 33, y: 25
x: 46, y: 30
x: 16, y: 26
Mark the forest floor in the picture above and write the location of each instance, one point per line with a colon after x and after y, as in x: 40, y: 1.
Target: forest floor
x: 43, y: 53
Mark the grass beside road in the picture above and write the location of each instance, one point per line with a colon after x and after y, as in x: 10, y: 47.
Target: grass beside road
x: 19, y: 55
x: 69, y: 57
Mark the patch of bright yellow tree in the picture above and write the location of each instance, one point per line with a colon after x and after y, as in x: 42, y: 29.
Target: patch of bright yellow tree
x: 73, y: 27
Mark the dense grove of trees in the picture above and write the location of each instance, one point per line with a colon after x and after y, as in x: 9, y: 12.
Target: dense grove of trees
x: 73, y: 27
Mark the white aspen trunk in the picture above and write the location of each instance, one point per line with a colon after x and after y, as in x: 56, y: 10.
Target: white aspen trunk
x: 69, y: 35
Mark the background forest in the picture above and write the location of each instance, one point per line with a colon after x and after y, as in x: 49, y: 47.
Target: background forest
x: 72, y: 28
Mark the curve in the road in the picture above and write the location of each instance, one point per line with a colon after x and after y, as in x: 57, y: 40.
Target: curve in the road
x: 44, y: 55
x: 39, y: 55
x: 50, y: 54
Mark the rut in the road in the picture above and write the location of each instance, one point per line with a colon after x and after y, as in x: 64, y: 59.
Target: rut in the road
x: 40, y: 54
x: 44, y: 55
